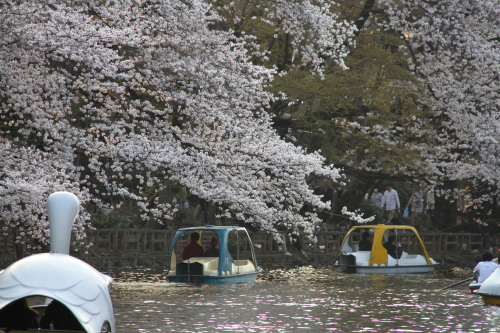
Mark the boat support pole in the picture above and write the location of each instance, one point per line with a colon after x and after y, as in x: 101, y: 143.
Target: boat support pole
x: 238, y: 250
x: 397, y: 251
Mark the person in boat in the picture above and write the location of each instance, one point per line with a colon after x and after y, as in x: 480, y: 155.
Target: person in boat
x: 484, y: 268
x: 365, y: 244
x: 193, y: 249
x: 214, y: 250
x: 59, y: 317
x: 392, y: 249
x: 18, y: 315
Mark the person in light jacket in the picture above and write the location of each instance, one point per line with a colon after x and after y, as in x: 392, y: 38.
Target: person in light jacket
x: 390, y: 202
x: 484, y: 268
x: 416, y: 204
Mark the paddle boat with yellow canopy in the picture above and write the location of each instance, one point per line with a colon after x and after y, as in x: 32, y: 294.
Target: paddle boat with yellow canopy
x: 384, y: 249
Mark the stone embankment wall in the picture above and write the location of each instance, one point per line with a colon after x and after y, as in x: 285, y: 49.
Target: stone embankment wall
x: 119, y: 248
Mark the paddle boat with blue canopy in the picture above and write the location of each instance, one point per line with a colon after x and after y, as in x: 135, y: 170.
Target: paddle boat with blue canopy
x: 233, y: 261
x: 384, y: 249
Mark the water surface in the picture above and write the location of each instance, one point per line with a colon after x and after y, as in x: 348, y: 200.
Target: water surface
x: 302, y: 299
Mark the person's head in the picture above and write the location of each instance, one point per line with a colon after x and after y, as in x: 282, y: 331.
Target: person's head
x: 388, y: 187
x: 375, y: 190
x: 487, y: 256
x: 20, y: 304
x: 195, y: 236
x: 391, y: 239
x: 214, y: 242
x: 365, y: 235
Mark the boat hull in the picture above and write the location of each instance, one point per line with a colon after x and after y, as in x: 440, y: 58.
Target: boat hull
x: 490, y: 289
x: 384, y: 249
x: 211, y: 279
x: 231, y: 264
x: 491, y: 300
x: 416, y: 269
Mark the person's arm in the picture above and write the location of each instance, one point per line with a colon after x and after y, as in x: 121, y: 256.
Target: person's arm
x: 183, y: 254
x: 410, y: 201
x: 476, y: 272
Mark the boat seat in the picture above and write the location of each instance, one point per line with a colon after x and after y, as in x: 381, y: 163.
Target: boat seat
x: 241, y: 262
x: 243, y: 266
x: 408, y: 256
x: 185, y: 268
x: 213, y: 264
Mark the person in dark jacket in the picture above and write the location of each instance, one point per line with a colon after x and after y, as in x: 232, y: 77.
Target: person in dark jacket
x: 214, y: 249
x: 392, y: 249
x: 59, y: 317
x: 365, y: 244
x: 18, y: 315
x: 193, y: 249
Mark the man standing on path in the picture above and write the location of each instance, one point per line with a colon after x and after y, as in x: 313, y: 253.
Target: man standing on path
x: 376, y: 199
x: 390, y: 201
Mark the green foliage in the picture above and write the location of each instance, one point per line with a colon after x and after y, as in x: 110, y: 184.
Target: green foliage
x: 345, y: 114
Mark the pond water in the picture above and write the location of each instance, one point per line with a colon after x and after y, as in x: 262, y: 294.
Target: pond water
x: 302, y: 299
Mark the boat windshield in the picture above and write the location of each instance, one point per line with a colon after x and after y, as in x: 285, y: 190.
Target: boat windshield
x: 208, y: 240
x: 405, y: 240
x: 359, y: 240
x: 239, y: 245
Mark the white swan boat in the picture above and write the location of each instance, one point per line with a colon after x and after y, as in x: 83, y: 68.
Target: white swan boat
x: 384, y: 249
x: 59, y: 278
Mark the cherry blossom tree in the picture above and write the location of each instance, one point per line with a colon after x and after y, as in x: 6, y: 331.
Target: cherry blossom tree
x: 432, y: 121
x: 312, y: 32
x: 454, y: 51
x: 113, y: 100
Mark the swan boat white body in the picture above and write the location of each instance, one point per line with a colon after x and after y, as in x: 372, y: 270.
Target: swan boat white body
x: 490, y: 289
x: 58, y: 276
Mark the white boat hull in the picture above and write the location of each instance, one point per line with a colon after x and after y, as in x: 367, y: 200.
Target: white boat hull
x: 395, y: 269
x: 407, y: 264
x: 242, y: 271
x: 490, y: 289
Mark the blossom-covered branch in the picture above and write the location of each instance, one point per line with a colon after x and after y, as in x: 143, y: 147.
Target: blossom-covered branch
x: 114, y: 100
